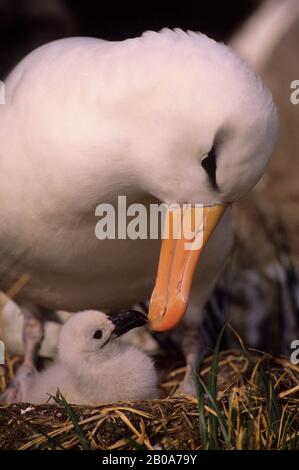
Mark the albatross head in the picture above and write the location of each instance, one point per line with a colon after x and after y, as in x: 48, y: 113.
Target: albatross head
x: 210, y: 127
x: 92, y: 334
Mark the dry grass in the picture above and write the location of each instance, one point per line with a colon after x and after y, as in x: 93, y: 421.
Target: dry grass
x: 256, y: 407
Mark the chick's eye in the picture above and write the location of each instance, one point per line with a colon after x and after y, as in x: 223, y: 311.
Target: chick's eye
x: 210, y: 166
x: 98, y: 334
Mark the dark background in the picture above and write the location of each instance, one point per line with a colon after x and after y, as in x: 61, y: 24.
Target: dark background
x: 215, y: 18
x: 26, y: 24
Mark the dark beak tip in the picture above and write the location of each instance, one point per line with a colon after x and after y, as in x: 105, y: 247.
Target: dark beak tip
x: 126, y: 320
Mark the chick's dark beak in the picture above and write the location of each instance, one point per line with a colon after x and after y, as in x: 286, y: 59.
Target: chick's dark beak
x: 126, y: 320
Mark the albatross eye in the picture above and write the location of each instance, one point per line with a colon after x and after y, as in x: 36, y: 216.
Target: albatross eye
x: 98, y: 334
x: 209, y: 164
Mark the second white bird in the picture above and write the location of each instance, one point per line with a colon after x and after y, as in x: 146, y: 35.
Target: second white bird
x: 93, y: 366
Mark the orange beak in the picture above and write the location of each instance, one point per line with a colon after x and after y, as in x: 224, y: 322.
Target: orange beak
x: 179, y: 255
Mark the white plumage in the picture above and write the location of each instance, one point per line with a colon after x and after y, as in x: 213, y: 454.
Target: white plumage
x: 94, y: 370
x: 86, y: 120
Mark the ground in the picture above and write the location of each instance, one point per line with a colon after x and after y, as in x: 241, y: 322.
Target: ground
x: 256, y: 406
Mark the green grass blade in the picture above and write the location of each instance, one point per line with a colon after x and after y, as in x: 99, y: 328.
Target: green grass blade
x: 214, y: 365
x: 212, y: 386
x: 60, y: 400
x: 201, y: 413
x: 273, y: 408
x: 219, y: 418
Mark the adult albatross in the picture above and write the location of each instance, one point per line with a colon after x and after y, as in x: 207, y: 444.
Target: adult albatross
x: 169, y: 116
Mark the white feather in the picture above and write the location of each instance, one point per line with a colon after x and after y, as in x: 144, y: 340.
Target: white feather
x: 86, y: 120
x: 87, y: 371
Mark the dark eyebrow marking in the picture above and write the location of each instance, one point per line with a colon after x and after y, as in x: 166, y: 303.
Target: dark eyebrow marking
x: 210, y: 165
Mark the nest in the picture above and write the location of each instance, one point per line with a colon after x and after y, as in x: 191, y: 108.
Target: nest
x: 255, y: 407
